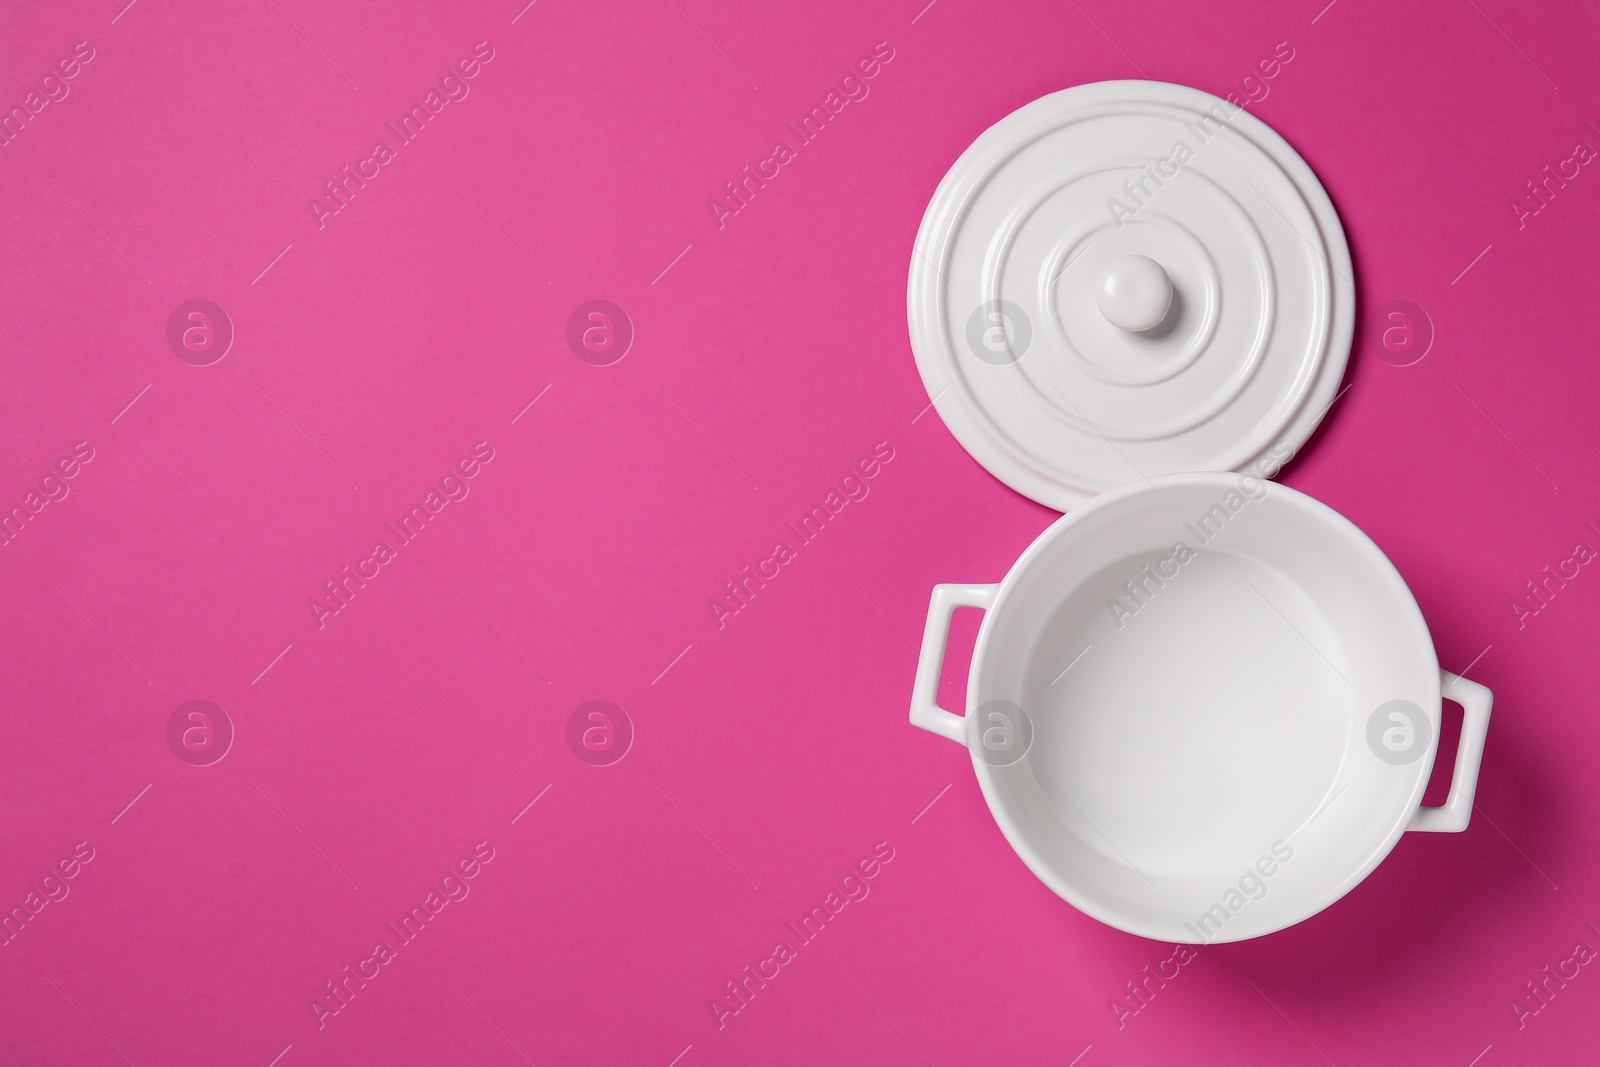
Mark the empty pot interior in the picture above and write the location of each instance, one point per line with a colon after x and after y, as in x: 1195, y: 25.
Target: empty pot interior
x: 1198, y: 663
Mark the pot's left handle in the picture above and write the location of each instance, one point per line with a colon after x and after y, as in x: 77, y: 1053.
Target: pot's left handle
x: 925, y: 709
x: 1475, y: 700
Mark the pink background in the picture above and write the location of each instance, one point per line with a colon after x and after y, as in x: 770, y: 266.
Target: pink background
x: 422, y: 719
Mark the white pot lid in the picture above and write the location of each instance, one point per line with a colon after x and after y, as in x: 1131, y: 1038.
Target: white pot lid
x: 1126, y: 279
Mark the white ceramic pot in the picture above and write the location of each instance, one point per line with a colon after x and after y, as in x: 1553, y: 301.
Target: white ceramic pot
x: 1203, y: 708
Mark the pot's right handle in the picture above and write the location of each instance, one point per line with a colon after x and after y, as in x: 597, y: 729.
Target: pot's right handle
x: 925, y: 709
x: 1456, y: 811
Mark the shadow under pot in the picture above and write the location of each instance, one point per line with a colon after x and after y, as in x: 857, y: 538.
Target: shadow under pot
x: 1203, y: 709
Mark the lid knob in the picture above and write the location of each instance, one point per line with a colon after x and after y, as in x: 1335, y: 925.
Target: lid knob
x: 1134, y: 293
